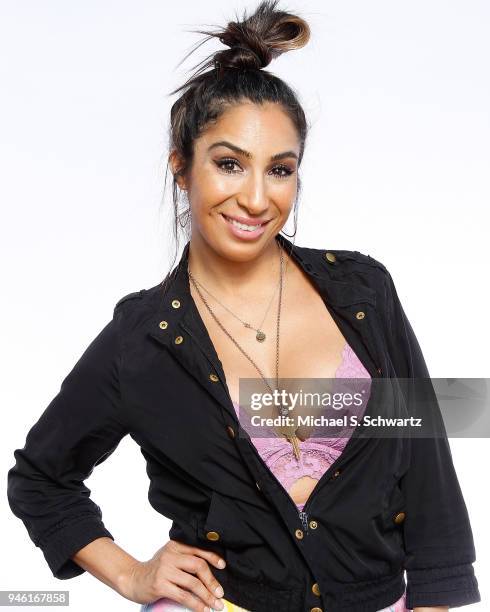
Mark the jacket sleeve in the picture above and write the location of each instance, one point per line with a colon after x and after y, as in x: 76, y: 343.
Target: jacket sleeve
x: 436, y: 531
x: 78, y: 430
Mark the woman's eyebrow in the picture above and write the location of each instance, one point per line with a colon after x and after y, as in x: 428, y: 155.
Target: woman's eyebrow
x: 276, y: 157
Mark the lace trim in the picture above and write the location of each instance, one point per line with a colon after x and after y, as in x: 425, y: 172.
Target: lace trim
x: 317, y: 454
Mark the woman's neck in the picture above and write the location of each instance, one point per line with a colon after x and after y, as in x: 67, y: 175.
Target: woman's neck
x: 237, y: 277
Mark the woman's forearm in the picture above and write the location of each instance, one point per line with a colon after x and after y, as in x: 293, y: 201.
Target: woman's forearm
x: 105, y: 560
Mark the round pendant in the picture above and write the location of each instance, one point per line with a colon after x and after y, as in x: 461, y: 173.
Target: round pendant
x: 284, y: 411
x: 260, y: 336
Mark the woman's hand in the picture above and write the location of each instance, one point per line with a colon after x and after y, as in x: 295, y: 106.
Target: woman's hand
x: 179, y: 572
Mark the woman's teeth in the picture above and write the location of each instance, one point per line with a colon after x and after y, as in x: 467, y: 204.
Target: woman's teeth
x: 248, y: 228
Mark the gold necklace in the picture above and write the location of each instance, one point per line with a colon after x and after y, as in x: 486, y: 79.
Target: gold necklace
x: 260, y: 335
x: 289, y: 431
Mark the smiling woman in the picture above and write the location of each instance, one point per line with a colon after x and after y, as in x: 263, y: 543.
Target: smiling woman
x: 239, y: 202
x: 290, y: 521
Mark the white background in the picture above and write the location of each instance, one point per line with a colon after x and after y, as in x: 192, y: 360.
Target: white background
x: 396, y: 166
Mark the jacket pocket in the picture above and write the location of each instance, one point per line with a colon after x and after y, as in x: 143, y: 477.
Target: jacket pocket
x: 183, y: 532
x: 226, y: 524
x: 389, y: 525
x: 392, y: 517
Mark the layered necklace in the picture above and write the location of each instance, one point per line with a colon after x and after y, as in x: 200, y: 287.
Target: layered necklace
x: 288, y: 431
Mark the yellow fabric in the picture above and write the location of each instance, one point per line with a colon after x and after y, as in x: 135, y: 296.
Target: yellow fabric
x: 231, y: 607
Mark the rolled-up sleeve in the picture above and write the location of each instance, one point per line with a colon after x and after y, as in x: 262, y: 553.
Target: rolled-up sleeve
x: 78, y: 430
x: 437, y: 533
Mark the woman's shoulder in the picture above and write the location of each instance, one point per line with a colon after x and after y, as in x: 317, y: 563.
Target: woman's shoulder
x: 134, y: 312
x: 340, y: 261
x: 134, y: 295
x: 134, y: 308
x: 138, y: 298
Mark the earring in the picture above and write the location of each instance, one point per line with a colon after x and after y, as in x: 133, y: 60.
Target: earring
x: 295, y: 222
x: 186, y: 213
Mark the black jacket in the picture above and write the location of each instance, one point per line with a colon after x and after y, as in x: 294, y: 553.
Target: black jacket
x: 384, y: 506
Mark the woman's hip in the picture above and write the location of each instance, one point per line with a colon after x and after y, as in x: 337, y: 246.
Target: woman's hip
x: 164, y: 604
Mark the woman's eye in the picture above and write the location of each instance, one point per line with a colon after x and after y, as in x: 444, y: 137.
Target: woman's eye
x: 287, y: 171
x: 280, y: 171
x: 227, y: 162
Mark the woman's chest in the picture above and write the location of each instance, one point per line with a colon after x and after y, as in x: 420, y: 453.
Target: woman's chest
x: 310, y: 342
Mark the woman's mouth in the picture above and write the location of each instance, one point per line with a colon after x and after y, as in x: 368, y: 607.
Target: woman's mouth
x: 244, y: 230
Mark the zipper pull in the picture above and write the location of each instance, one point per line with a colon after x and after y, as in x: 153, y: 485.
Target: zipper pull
x: 304, y: 519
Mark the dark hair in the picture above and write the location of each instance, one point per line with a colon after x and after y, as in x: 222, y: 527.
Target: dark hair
x: 235, y: 76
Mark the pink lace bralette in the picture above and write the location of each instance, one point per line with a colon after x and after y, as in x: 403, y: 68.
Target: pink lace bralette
x: 317, y: 454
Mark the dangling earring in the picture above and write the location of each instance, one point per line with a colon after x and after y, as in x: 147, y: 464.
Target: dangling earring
x: 185, y: 213
x: 295, y: 221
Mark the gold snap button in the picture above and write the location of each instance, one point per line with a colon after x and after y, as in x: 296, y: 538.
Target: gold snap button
x: 316, y: 589
x: 360, y: 315
x: 316, y: 610
x: 163, y: 325
x: 176, y: 303
x: 299, y: 534
x: 230, y: 431
x: 212, y: 535
x: 330, y: 257
x: 213, y: 377
x: 336, y: 474
x: 313, y: 524
x: 399, y: 518
x: 179, y: 340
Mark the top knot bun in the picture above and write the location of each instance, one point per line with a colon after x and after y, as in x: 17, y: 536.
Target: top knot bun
x: 256, y: 40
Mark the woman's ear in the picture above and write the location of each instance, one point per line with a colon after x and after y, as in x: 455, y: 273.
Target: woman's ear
x: 176, y: 165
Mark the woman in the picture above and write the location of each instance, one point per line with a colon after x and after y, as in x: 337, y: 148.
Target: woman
x: 288, y: 522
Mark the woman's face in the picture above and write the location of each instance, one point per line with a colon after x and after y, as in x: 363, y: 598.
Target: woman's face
x: 245, y: 166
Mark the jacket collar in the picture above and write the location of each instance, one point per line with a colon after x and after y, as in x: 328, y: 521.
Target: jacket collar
x: 177, y: 325
x: 327, y: 277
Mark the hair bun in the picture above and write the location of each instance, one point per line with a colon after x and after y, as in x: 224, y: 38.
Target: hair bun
x: 257, y: 39
x: 242, y: 56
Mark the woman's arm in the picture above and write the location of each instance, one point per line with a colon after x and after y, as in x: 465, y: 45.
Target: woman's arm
x: 79, y: 429
x: 176, y: 571
x: 437, y: 533
x: 107, y: 561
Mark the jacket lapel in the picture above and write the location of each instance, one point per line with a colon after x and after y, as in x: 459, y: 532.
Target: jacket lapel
x: 344, y: 299
x: 177, y: 324
x: 178, y: 327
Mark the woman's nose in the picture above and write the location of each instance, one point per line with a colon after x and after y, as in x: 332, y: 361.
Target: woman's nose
x: 254, y: 195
